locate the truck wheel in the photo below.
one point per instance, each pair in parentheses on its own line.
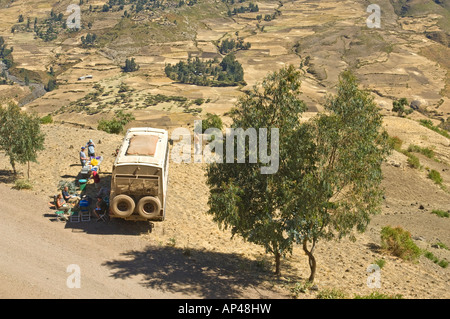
(149,207)
(122,205)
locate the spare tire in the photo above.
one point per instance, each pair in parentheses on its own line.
(122,205)
(149,207)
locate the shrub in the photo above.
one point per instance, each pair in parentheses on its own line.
(116,125)
(435,176)
(413,161)
(71,186)
(379,295)
(429,124)
(395,143)
(380,263)
(422,150)
(442,263)
(23,184)
(212,121)
(47,119)
(399,243)
(331,294)
(440,213)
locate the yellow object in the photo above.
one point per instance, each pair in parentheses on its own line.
(94,162)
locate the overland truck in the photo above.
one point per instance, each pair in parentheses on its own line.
(140,176)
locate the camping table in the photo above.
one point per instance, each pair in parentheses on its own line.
(89,168)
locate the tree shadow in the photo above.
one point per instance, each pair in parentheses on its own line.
(202,273)
(7,176)
(374,248)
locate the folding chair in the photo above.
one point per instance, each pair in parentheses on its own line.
(61,215)
(84,211)
(102,214)
(85,215)
(74,216)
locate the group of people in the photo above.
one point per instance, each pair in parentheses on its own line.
(91,152)
(65,201)
(90,146)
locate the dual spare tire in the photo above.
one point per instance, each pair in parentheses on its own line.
(124,206)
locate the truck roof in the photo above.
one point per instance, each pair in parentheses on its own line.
(143,146)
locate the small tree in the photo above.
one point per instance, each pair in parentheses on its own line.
(130,65)
(116,125)
(399,107)
(20,136)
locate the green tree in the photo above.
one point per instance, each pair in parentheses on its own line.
(341,190)
(328,181)
(130,65)
(20,136)
(399,107)
(243,199)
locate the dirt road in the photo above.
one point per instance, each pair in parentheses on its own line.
(36,250)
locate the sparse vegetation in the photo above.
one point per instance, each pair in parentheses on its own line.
(47,119)
(331,294)
(399,243)
(440,213)
(435,176)
(428,152)
(116,125)
(23,184)
(378,295)
(429,124)
(442,263)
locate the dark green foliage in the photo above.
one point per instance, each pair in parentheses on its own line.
(227,45)
(212,121)
(229,72)
(89,40)
(130,65)
(329,175)
(20,135)
(116,125)
(51,85)
(400,105)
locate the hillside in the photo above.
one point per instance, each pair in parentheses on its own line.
(45,65)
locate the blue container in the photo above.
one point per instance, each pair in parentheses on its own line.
(84,203)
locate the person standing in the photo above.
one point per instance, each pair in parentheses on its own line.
(91,148)
(83,157)
(96,179)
